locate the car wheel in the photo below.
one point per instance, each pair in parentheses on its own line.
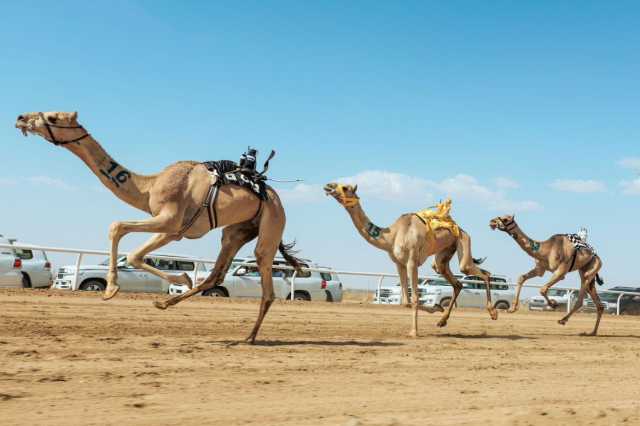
(445,302)
(300,295)
(26,281)
(502,305)
(92,285)
(216,292)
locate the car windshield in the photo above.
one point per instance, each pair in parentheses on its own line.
(557,292)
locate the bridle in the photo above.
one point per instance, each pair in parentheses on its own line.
(345,199)
(57,142)
(509,226)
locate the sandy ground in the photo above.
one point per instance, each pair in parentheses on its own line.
(73,359)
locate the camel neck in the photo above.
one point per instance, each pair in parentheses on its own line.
(130,187)
(532,247)
(375,235)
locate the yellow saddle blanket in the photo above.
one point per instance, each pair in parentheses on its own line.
(439,218)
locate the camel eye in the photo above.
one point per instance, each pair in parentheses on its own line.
(52,119)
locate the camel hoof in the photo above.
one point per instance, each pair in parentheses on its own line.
(494,314)
(110,292)
(512,310)
(438,308)
(562,322)
(553,304)
(441,323)
(250,340)
(592,334)
(161,305)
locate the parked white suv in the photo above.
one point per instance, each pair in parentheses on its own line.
(244,281)
(94,277)
(437,291)
(36,268)
(10,265)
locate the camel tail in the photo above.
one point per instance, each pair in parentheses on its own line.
(599,279)
(479,261)
(289,255)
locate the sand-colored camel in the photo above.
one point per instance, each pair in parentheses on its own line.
(174,199)
(409,243)
(559,256)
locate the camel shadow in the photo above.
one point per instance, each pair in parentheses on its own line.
(485,336)
(613,336)
(275,343)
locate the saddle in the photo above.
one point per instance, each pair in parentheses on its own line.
(579,243)
(228,172)
(439,218)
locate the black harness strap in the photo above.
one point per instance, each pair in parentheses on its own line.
(55,141)
(419,217)
(210,205)
(573,259)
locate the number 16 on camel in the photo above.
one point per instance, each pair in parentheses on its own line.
(187,199)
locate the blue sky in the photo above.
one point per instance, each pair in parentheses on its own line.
(505,106)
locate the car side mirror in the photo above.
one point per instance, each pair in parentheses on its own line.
(241,271)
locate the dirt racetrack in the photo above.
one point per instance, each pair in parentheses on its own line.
(72,359)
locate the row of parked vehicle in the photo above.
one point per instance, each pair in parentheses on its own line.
(242,279)
(437,291)
(32,269)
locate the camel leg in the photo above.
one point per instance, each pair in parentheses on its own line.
(441,265)
(558,275)
(270,235)
(233,238)
(167,223)
(136,259)
(577,305)
(404,284)
(469,268)
(412,268)
(600,309)
(538,271)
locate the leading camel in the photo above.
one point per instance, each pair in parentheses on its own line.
(409,243)
(560,255)
(174,198)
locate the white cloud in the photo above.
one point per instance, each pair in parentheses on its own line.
(631,187)
(49,181)
(632,163)
(467,187)
(389,186)
(506,183)
(578,185)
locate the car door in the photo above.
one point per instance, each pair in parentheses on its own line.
(469,296)
(246,282)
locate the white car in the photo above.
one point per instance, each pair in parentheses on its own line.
(94,277)
(437,291)
(244,281)
(10,266)
(561,296)
(36,268)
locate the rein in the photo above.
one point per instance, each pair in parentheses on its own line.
(57,142)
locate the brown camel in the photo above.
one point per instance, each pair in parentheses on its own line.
(175,199)
(559,255)
(409,243)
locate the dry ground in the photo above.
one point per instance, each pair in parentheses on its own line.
(73,359)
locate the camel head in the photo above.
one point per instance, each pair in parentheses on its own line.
(344,194)
(58,128)
(502,223)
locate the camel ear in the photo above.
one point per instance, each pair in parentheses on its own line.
(74,115)
(355,188)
